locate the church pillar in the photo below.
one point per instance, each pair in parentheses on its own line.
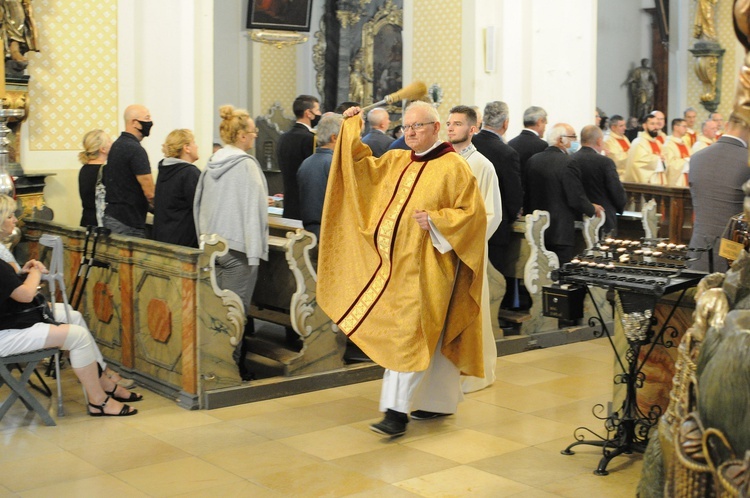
(544,54)
(165,62)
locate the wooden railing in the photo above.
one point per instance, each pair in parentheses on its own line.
(674,204)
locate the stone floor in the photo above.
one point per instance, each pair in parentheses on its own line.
(504,441)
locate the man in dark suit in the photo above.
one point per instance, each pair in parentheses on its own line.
(294,147)
(529,142)
(717,174)
(377,139)
(507,167)
(558,190)
(599,177)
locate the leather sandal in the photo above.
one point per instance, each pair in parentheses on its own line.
(131,399)
(125,412)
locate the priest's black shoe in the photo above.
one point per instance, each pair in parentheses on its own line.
(425,415)
(393,425)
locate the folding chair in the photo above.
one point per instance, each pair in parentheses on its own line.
(55,278)
(19,387)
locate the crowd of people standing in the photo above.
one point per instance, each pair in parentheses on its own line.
(334,188)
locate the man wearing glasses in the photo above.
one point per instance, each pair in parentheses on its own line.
(401,265)
(557,189)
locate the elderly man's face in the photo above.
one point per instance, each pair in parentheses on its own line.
(710,129)
(420,130)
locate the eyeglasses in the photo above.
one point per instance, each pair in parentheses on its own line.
(570,136)
(253,132)
(416,126)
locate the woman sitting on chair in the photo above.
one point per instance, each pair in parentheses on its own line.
(24,329)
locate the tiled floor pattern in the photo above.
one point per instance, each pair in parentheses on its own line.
(504,441)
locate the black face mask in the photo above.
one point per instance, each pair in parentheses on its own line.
(314,121)
(145,127)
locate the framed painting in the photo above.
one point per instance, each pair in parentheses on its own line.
(382,53)
(285,15)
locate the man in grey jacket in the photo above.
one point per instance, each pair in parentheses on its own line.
(717,174)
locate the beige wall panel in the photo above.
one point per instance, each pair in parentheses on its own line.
(436,54)
(278,77)
(73,85)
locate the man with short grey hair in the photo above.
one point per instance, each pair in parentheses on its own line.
(559,191)
(377,139)
(412,225)
(709,131)
(507,165)
(312,176)
(528,143)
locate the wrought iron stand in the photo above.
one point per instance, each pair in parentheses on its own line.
(627,428)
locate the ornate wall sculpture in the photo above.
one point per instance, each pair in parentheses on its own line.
(708,54)
(358,51)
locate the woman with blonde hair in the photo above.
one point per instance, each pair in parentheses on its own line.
(96,145)
(25,326)
(175,190)
(232,201)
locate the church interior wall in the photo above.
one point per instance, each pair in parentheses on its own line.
(437,50)
(619,50)
(233,58)
(563,61)
(73,88)
(278,77)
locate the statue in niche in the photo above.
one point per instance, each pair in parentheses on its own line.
(642,83)
(19,34)
(703,27)
(357,79)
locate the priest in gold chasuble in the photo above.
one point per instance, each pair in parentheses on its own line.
(401,262)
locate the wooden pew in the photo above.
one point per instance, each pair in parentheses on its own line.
(159,316)
(285,294)
(533,264)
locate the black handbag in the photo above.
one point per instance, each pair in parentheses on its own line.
(46,310)
(37,311)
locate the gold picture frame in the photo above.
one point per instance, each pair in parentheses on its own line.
(381,53)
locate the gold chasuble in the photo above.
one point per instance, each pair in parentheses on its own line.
(379,276)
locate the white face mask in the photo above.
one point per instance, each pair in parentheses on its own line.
(574,147)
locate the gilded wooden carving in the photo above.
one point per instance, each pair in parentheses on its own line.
(382,63)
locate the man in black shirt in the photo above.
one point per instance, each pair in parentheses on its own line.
(128,178)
